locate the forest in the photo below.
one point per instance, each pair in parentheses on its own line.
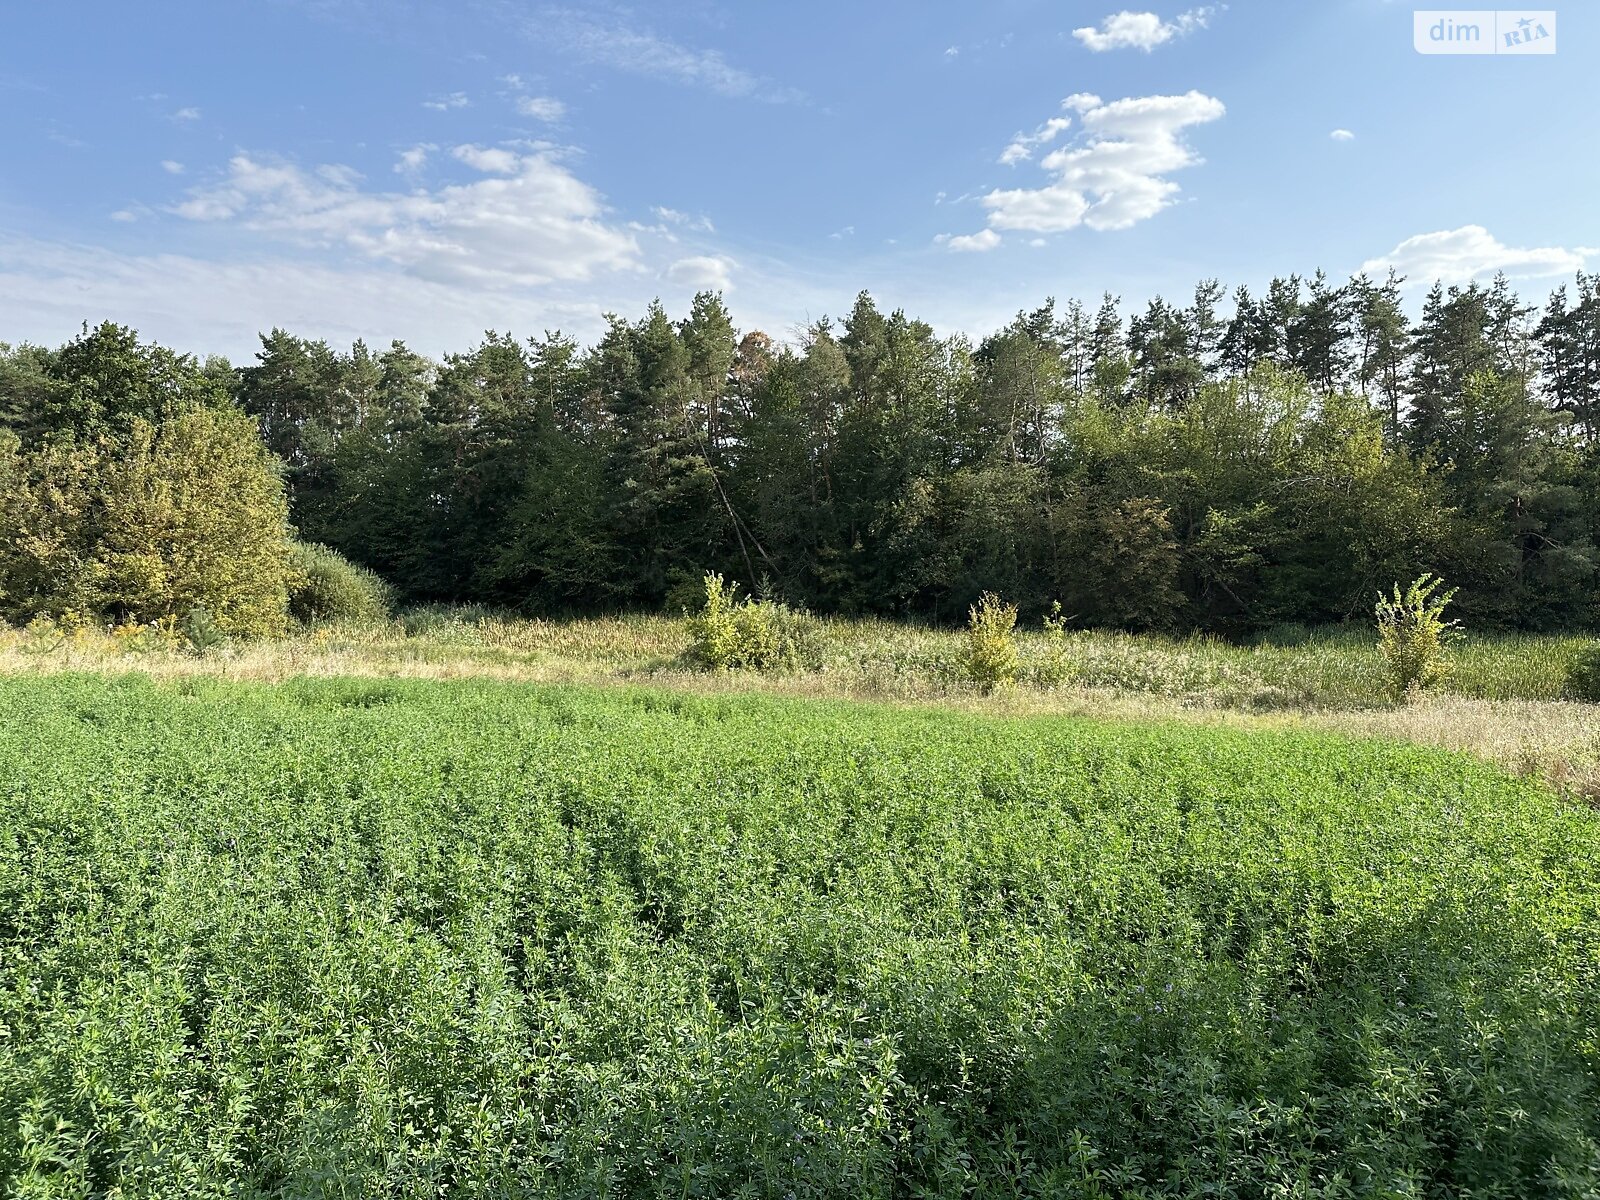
(1226,464)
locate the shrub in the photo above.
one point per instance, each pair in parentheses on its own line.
(329,587)
(1583,674)
(1412,634)
(991,660)
(200,631)
(762,635)
(153,636)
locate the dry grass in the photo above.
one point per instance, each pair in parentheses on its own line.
(1503,703)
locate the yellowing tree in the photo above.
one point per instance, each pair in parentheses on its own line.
(46,551)
(192,513)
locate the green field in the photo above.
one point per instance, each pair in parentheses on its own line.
(349,937)
(1511,699)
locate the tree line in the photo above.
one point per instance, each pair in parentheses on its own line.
(1228,463)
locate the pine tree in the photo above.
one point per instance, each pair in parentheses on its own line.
(1381,343)
(1319,335)
(667,517)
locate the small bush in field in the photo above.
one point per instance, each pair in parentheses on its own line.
(1059,665)
(200,631)
(326,586)
(1412,633)
(1583,675)
(731,632)
(992,660)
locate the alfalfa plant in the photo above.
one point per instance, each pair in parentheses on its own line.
(991,660)
(1413,634)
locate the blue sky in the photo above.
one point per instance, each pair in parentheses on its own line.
(351,168)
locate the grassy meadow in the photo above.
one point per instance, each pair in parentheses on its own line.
(388,937)
(1506,697)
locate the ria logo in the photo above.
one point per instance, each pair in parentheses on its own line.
(1483,31)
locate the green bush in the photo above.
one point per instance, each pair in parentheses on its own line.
(730,632)
(1412,633)
(327,586)
(1583,674)
(200,632)
(991,660)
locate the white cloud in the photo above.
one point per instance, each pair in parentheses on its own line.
(984,239)
(703,272)
(1458,255)
(186,114)
(490,160)
(171,167)
(124,215)
(1114,175)
(414,159)
(446,103)
(1021,147)
(699,224)
(838,235)
(1141,30)
(1342,135)
(531,222)
(541,108)
(638,51)
(952,52)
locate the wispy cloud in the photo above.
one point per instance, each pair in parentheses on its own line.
(47,289)
(612,42)
(447,102)
(541,108)
(1342,135)
(1141,30)
(984,239)
(1022,145)
(689,221)
(186,114)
